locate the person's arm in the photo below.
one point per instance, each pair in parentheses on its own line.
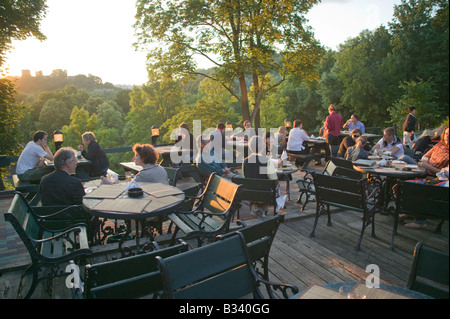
(394,150)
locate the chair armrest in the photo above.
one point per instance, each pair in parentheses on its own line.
(283,287)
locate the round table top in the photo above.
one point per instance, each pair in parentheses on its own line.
(396,171)
(163,206)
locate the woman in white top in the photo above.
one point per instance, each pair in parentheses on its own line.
(296,138)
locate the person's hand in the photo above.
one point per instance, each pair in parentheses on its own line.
(80,147)
(105,180)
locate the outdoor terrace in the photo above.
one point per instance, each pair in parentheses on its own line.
(295,258)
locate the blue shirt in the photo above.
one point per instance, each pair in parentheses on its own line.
(358,124)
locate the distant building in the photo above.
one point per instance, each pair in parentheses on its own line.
(26,74)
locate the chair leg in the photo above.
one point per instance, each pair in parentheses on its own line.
(438,227)
(34,267)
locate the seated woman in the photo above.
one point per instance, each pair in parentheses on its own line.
(271,147)
(358,150)
(257,165)
(280,137)
(94,153)
(350,141)
(435,161)
(146,156)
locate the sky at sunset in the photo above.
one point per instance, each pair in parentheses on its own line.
(96,36)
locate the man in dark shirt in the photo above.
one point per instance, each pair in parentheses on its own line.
(409,125)
(59,187)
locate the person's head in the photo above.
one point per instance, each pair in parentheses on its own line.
(269,139)
(361,141)
(185,126)
(247,124)
(202,141)
(389,135)
(356,133)
(256,144)
(331,108)
(354,118)
(412,110)
(145,154)
(298,123)
(444,136)
(66,159)
(88,138)
(221,126)
(282,130)
(40,137)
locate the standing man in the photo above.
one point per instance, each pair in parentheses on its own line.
(30,165)
(409,125)
(59,187)
(333,124)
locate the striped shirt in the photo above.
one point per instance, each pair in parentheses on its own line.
(438,155)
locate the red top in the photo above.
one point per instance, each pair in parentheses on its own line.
(438,155)
(333,124)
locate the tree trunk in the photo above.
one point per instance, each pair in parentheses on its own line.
(244,98)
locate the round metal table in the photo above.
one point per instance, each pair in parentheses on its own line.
(144,220)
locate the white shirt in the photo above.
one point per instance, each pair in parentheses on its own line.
(395,143)
(29,157)
(296,138)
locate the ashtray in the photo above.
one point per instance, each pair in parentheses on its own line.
(135,192)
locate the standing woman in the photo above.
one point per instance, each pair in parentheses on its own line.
(94,153)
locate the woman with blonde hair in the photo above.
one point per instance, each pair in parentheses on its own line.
(357,151)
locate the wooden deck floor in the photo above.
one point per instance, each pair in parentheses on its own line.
(295,257)
(303,261)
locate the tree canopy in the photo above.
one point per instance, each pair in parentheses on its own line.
(238,37)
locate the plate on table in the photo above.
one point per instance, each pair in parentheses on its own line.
(398,162)
(411,166)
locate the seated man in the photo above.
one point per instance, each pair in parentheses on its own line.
(59,187)
(30,166)
(354,123)
(208,162)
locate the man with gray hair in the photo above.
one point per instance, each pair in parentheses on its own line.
(60,187)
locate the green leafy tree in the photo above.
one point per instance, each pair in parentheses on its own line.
(420,42)
(152,104)
(361,70)
(213,106)
(54,116)
(421,95)
(18,21)
(240,38)
(110,115)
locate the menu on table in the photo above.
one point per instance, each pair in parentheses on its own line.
(106,191)
(124,205)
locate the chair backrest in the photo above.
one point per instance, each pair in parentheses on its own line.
(259,237)
(429,272)
(173,175)
(257,190)
(342,162)
(340,191)
(190,171)
(221,270)
(424,200)
(130,277)
(220,195)
(349,173)
(20,215)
